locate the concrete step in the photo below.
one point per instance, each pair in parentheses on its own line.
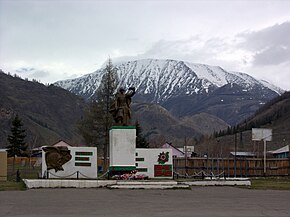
(148,186)
(146,182)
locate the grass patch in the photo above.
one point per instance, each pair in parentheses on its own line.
(12,186)
(271,183)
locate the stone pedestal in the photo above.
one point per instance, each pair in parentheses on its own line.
(122,149)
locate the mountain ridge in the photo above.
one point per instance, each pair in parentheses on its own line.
(162,72)
(180,86)
(163,76)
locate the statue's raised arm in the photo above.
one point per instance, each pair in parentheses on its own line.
(131,92)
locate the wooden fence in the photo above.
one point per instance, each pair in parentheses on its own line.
(229,167)
(193,167)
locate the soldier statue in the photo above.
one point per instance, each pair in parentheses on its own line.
(120,109)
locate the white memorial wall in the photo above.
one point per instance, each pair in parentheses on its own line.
(154,163)
(83,164)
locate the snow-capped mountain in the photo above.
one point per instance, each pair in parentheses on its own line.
(163,79)
(181,87)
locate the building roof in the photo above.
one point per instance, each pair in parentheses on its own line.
(166,145)
(281,150)
(243,154)
(61,143)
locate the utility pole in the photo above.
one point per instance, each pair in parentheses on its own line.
(108,84)
(235,161)
(265,155)
(289,160)
(185,152)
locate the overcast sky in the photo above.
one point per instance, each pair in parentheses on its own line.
(51,40)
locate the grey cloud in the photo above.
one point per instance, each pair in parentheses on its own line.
(33,72)
(193,49)
(270,45)
(25,70)
(40,74)
(272,56)
(216,43)
(271,36)
(267,47)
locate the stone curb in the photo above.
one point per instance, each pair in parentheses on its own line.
(219,183)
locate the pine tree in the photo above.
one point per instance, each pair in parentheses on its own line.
(17,145)
(97,119)
(105,98)
(88,126)
(141,142)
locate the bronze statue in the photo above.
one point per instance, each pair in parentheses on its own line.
(120,109)
(55,157)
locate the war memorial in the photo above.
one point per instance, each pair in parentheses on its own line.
(129,167)
(77,166)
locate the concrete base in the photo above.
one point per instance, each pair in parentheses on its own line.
(131,184)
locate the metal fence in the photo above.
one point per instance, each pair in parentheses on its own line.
(24,167)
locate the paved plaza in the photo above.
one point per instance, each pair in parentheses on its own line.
(199,201)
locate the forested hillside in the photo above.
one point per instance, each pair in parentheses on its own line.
(49,113)
(273,115)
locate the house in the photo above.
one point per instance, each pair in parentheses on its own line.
(37,152)
(175,151)
(61,143)
(281,152)
(180,152)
